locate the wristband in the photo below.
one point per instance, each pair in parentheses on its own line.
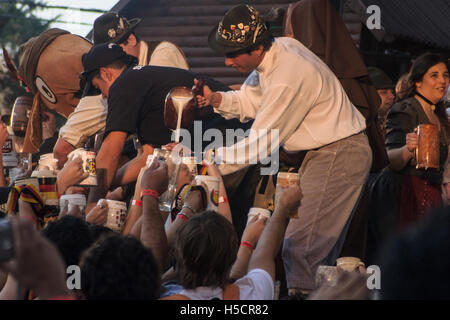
(223,200)
(182,216)
(248,245)
(150,192)
(136,203)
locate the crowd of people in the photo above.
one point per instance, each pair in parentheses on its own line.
(347,130)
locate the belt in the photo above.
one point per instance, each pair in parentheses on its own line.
(296,157)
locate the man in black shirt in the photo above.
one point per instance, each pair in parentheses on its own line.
(136,97)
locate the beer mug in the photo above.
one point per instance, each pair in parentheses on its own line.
(89,165)
(47,162)
(210,186)
(8,151)
(284,180)
(261,213)
(47,189)
(75,199)
(427,151)
(326,275)
(117,214)
(173,162)
(349,263)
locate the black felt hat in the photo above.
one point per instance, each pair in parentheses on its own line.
(380,79)
(241,28)
(110,27)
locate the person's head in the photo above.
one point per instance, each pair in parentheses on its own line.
(205,250)
(415,264)
(99,231)
(429,76)
(243,37)
(385,88)
(103,64)
(119,268)
(71,235)
(111,28)
(401,87)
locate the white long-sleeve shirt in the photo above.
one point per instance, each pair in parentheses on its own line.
(89,117)
(166,54)
(292,91)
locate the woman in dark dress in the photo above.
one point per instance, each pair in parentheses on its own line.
(402,195)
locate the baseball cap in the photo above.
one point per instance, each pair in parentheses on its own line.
(102,55)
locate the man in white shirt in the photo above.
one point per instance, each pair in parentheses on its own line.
(111,28)
(293,94)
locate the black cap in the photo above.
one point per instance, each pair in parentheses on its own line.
(102,55)
(241,28)
(109,27)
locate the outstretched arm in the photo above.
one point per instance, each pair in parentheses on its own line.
(272,237)
(61,150)
(249,240)
(107,162)
(224,206)
(154,182)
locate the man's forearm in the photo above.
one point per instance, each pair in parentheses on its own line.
(61,150)
(153,235)
(134,213)
(106,162)
(109,154)
(129,171)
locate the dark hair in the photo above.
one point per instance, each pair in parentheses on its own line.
(119,268)
(121,63)
(98,231)
(423,63)
(205,250)
(419,68)
(71,236)
(415,264)
(125,41)
(266,43)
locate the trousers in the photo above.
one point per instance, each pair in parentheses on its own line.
(331,179)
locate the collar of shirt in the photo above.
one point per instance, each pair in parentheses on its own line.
(143,53)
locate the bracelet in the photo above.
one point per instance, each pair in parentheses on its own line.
(136,203)
(248,245)
(189,207)
(182,216)
(150,192)
(223,199)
